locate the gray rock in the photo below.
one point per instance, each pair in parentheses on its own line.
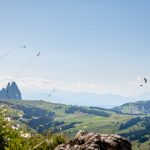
(95,141)
(10,92)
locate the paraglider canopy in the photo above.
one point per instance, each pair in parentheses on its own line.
(145,80)
(24,46)
(142,81)
(38,54)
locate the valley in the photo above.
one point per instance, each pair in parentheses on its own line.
(41,116)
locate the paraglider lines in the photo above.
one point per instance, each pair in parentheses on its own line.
(27,64)
(11,51)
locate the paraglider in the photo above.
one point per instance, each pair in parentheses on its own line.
(142,81)
(52,92)
(38,54)
(145,80)
(24,46)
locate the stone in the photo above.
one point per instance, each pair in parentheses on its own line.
(10,92)
(96,141)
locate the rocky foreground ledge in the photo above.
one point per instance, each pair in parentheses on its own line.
(94,141)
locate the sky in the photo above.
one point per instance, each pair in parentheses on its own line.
(86,46)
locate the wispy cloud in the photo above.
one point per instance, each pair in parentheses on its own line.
(29,83)
(41,85)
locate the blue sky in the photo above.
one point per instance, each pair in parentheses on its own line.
(105,43)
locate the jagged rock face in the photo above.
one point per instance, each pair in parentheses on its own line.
(10,92)
(94,141)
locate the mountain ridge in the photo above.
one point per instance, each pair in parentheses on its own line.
(10,92)
(138,107)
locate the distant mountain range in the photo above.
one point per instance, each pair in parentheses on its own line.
(89,99)
(10,92)
(80,98)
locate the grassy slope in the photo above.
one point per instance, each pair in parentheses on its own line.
(91,123)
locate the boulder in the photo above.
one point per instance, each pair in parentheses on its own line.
(95,141)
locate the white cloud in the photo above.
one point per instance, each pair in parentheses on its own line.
(41,85)
(28,83)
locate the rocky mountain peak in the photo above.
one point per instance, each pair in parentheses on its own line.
(8,86)
(10,92)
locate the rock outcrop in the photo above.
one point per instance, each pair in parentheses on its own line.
(94,141)
(10,92)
